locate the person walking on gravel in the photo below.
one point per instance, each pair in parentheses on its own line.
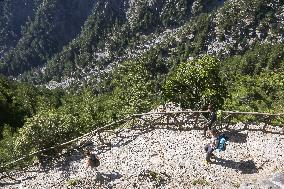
(211,120)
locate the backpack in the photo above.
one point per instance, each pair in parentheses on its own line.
(222,142)
(95,160)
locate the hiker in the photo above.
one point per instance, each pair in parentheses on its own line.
(210,147)
(91,159)
(212,119)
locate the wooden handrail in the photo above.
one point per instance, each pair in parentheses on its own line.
(128,118)
(65,143)
(227,112)
(252,113)
(169,112)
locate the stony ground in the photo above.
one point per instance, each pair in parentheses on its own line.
(165,158)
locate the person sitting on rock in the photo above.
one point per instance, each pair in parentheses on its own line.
(210,147)
(91,159)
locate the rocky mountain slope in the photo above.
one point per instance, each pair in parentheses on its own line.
(147,157)
(230,28)
(116,31)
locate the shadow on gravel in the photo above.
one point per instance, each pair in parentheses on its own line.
(265,131)
(236,137)
(124,140)
(245,167)
(107,177)
(174,127)
(3,184)
(14,181)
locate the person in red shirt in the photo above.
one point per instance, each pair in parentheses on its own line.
(91,159)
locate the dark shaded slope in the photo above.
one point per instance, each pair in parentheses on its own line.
(13,15)
(55,23)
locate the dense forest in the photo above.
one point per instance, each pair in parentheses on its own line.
(70,66)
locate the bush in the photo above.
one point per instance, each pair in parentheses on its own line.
(7,146)
(199,181)
(195,84)
(46,129)
(73,182)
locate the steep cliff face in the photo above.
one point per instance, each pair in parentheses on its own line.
(119,30)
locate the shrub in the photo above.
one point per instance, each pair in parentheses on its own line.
(199,181)
(195,84)
(73,182)
(46,129)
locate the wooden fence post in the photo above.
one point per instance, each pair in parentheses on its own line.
(168,121)
(196,120)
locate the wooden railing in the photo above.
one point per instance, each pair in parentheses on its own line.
(266,118)
(193,119)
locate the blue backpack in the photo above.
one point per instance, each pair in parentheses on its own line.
(222,142)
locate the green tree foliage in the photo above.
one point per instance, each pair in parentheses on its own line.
(201,29)
(262,93)
(5,34)
(255,80)
(195,84)
(147,19)
(175,12)
(11,110)
(77,115)
(19,101)
(134,90)
(46,129)
(7,152)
